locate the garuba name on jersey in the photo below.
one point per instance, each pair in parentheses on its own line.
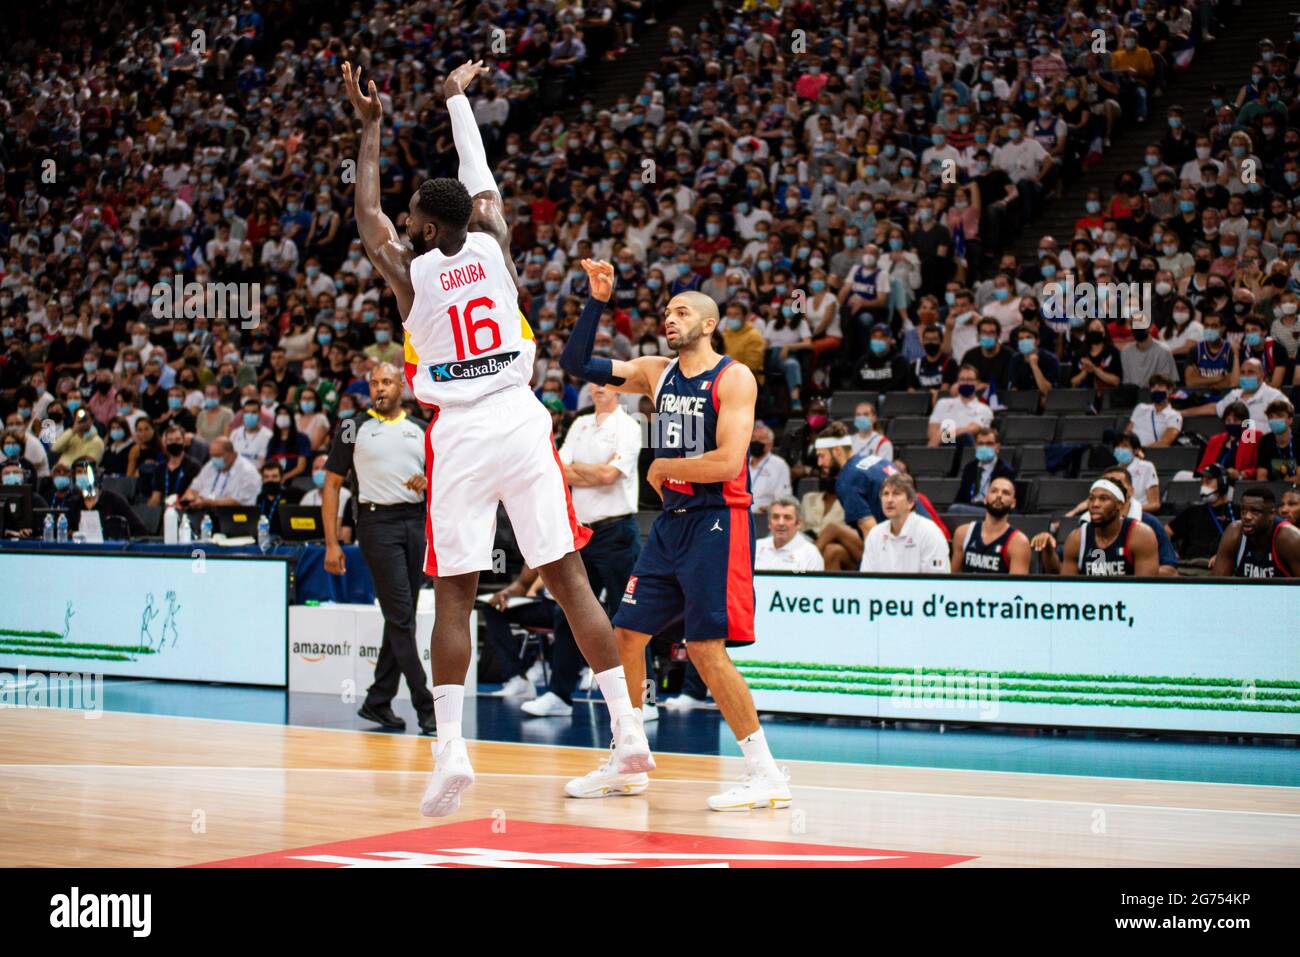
(466,337)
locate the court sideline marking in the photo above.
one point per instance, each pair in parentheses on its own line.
(601,749)
(711,783)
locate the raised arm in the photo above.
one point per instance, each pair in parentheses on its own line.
(637,376)
(389,254)
(487,214)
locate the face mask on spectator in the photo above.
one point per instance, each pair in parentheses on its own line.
(250,420)
(1123,456)
(62,482)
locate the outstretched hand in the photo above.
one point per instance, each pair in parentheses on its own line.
(600,277)
(459,79)
(368,108)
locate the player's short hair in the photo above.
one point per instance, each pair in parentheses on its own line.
(901,482)
(1261,492)
(1279,407)
(446,201)
(1009,480)
(701,303)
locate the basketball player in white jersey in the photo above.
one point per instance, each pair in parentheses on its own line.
(489,440)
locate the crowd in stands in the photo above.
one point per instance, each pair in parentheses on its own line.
(845,179)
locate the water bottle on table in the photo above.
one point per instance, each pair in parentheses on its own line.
(205,528)
(47,533)
(263,533)
(63,528)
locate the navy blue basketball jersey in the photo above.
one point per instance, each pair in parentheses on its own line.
(686,426)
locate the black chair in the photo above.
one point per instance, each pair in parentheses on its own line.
(760,525)
(1021,429)
(123,485)
(905,403)
(1123,398)
(842,404)
(150,517)
(1021,401)
(922,460)
(809,483)
(1175,458)
(1202,425)
(1032,525)
(1176,495)
(1084,428)
(908,430)
(1032,460)
(302,484)
(1068,401)
(1058,495)
(940,491)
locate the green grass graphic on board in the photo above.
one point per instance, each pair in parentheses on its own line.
(47,643)
(1030,687)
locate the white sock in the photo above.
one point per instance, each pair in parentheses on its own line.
(448,702)
(613,685)
(757,754)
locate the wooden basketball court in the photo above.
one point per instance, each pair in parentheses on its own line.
(143,790)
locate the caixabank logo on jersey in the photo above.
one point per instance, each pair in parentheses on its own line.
(472,368)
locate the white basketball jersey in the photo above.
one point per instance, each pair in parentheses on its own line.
(466,331)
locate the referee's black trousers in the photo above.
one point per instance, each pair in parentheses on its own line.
(392,541)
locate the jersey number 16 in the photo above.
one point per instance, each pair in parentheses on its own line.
(473,327)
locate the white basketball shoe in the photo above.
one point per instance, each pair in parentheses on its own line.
(605,781)
(452,774)
(631,749)
(760,788)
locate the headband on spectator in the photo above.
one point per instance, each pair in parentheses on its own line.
(1109,487)
(832,442)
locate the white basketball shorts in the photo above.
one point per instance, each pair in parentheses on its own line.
(496,449)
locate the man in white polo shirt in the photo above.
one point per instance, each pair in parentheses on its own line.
(769,475)
(251,438)
(907,542)
(599,456)
(961,415)
(1253,391)
(1156,423)
(227,478)
(787,549)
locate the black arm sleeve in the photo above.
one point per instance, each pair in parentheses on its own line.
(576,358)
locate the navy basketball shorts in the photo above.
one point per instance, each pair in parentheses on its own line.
(697,568)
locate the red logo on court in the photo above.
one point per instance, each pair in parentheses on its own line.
(531,844)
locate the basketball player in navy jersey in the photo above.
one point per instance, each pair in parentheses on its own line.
(991,546)
(697,566)
(1260,544)
(1110,545)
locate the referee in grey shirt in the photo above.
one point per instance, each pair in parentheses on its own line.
(386,450)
